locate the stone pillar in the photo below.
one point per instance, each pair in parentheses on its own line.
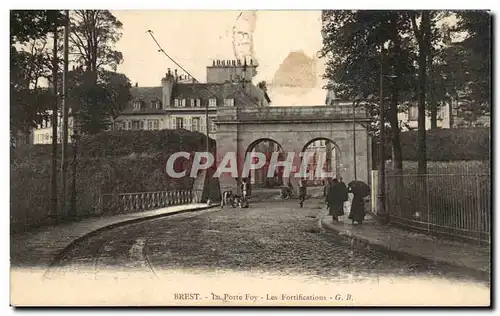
(227,144)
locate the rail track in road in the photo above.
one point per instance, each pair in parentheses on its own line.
(275,237)
(115,248)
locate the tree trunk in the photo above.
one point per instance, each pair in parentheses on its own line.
(422,65)
(432,87)
(397,154)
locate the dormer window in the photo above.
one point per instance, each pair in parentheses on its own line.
(228,102)
(137,105)
(156,104)
(195,103)
(180,103)
(212,103)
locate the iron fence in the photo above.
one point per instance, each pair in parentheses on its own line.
(450,204)
(143,201)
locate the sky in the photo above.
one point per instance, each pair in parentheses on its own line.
(195,38)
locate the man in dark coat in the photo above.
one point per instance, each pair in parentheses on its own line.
(344,192)
(335,200)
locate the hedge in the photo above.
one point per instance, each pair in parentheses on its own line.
(111,162)
(448,144)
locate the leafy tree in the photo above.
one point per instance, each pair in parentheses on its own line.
(477,44)
(28,64)
(97,105)
(99,92)
(352,41)
(27,25)
(93,35)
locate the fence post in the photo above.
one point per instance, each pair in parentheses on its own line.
(99,202)
(428,202)
(479,210)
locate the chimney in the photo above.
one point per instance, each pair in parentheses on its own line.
(136,84)
(239,62)
(218,62)
(213,63)
(234,62)
(175,73)
(169,72)
(251,61)
(223,62)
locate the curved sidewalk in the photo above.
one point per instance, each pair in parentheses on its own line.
(39,248)
(467,258)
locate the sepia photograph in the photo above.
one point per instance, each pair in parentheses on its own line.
(271,158)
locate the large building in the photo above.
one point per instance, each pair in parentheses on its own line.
(42,134)
(447,116)
(180,102)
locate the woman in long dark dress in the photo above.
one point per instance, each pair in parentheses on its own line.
(359,190)
(335,201)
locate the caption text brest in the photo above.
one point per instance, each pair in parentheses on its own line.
(225,297)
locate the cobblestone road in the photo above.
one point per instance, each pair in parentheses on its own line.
(276,237)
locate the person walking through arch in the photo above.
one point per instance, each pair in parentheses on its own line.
(302,191)
(244,193)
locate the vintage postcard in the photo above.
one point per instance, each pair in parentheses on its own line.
(250,158)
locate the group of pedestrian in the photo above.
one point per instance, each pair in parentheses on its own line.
(336,193)
(235,199)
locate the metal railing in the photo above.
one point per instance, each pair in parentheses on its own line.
(144,201)
(447,204)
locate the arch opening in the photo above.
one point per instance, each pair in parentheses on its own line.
(321,149)
(258,178)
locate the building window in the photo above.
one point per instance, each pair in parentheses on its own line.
(213,127)
(153,125)
(196,124)
(176,103)
(183,103)
(118,125)
(137,105)
(195,103)
(156,104)
(136,125)
(212,103)
(228,102)
(179,122)
(441,112)
(413,113)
